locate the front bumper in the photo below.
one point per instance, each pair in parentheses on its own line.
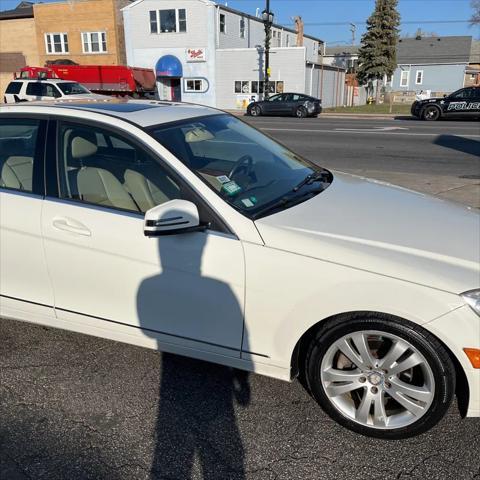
(460,329)
(415,110)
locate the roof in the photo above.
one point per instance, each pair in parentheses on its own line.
(143,113)
(342,51)
(274,25)
(434,50)
(22,10)
(475,52)
(237,12)
(37,80)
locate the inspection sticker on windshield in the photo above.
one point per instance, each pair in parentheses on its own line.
(223,179)
(248,203)
(231,188)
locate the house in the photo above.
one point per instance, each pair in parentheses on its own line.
(345,56)
(88,32)
(84,31)
(436,64)
(18,44)
(472,73)
(207,53)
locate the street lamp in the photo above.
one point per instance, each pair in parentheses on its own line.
(267,17)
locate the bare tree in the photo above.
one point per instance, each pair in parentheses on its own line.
(475,20)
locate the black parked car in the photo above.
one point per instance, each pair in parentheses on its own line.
(462,103)
(296,104)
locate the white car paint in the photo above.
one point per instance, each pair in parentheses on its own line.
(359,246)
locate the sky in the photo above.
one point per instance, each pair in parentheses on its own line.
(319,15)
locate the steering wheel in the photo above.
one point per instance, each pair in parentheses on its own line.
(243,166)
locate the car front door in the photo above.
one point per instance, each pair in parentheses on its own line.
(464,102)
(25,287)
(276,104)
(185,291)
(41,91)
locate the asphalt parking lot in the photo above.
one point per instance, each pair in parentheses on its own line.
(78,407)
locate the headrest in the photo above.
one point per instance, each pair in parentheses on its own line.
(82,147)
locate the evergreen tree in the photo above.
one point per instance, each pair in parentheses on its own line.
(378,52)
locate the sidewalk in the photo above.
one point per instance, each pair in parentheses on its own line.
(351,116)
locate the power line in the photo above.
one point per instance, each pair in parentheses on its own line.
(407,22)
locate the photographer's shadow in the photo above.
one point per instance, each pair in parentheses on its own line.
(196,426)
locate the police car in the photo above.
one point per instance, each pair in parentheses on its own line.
(462,103)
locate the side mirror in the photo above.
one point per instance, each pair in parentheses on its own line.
(172,218)
(445,95)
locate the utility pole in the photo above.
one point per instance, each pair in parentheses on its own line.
(267,17)
(353,29)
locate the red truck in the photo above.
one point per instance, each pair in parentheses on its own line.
(105,79)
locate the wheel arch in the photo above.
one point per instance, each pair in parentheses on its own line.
(434,105)
(462,389)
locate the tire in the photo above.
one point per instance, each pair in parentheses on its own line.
(301,112)
(431,113)
(255,111)
(356,401)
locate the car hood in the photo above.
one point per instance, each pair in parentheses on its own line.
(381,228)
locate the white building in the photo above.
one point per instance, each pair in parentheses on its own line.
(207,53)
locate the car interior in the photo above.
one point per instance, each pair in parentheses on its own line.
(102,169)
(17,150)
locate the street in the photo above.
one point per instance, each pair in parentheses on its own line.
(78,407)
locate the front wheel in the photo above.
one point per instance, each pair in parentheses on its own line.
(255,111)
(381,377)
(431,114)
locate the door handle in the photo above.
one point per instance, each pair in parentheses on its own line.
(72,226)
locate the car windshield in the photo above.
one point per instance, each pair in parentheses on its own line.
(249,170)
(72,88)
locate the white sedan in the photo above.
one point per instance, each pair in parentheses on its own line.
(180,228)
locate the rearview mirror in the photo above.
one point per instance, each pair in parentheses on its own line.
(172,218)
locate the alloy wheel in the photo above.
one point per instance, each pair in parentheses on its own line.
(377,379)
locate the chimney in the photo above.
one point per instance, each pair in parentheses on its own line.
(299,30)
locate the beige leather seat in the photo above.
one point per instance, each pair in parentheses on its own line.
(146,194)
(96,185)
(17,172)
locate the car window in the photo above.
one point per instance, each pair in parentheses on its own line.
(277,98)
(14,88)
(18,140)
(100,167)
(72,88)
(469,93)
(41,89)
(244,167)
(458,94)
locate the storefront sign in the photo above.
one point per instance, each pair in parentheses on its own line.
(196,54)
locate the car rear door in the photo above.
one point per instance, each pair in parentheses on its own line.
(25,287)
(180,291)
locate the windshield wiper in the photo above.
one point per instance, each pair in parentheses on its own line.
(309,179)
(287,201)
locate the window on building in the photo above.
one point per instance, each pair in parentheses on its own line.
(404,78)
(194,85)
(287,42)
(168,21)
(242,27)
(222,23)
(153,21)
(56,43)
(419,77)
(242,86)
(94,42)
